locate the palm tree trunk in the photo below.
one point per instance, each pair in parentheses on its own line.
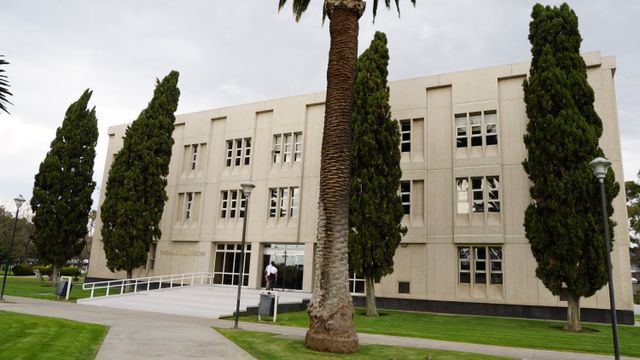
(371,297)
(331,327)
(573,314)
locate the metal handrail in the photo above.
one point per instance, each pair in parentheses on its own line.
(187,279)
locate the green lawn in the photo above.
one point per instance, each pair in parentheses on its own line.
(271,346)
(536,334)
(42,289)
(31,337)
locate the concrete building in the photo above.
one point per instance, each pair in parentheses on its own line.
(463,188)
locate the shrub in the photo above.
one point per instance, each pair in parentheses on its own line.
(70,271)
(22,270)
(44,270)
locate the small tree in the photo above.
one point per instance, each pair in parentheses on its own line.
(375,209)
(564,222)
(135,194)
(4,88)
(63,186)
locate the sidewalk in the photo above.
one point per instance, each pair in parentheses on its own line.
(146,335)
(139,334)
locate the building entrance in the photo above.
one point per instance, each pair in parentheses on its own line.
(289,259)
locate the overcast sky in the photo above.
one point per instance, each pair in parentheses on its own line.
(234,52)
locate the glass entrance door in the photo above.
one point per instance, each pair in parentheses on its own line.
(289,259)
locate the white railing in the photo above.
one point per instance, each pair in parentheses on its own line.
(147,283)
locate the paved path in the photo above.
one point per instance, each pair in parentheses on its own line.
(146,335)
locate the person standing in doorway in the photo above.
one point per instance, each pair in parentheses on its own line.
(271,273)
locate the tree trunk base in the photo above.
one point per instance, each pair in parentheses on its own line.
(331,341)
(573,315)
(334,333)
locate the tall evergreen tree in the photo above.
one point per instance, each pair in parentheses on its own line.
(63,186)
(135,193)
(564,223)
(331,326)
(4,88)
(632,189)
(375,209)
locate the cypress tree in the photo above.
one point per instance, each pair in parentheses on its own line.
(375,209)
(63,186)
(135,193)
(563,223)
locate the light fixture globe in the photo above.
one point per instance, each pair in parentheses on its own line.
(247,187)
(600,166)
(19,201)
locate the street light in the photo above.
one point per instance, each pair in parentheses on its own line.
(247,187)
(600,166)
(19,201)
(284,271)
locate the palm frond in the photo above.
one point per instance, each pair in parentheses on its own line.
(299,7)
(387,3)
(4,88)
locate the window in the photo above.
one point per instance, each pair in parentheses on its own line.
(284,202)
(404,287)
(482,264)
(287,147)
(297,155)
(356,283)
(194,156)
(188,206)
(238,152)
(405,195)
(476,129)
(405,135)
(485,194)
(232,204)
(227,265)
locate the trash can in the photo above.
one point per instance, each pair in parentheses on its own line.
(61,290)
(267,304)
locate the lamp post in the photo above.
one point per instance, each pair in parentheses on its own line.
(600,167)
(247,187)
(19,201)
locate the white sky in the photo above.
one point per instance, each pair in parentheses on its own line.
(233,52)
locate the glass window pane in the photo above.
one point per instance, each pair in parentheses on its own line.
(465,278)
(496,278)
(496,253)
(481,278)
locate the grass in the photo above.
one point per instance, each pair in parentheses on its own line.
(27,337)
(272,346)
(42,289)
(535,334)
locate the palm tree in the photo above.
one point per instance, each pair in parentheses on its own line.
(4,88)
(331,327)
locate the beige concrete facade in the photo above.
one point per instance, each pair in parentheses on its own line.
(464,185)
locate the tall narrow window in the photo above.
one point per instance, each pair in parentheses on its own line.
(461,130)
(234,203)
(481,265)
(238,157)
(405,195)
(287,147)
(475,120)
(229,152)
(284,201)
(462,185)
(243,204)
(188,205)
(194,156)
(152,255)
(295,194)
(490,120)
(405,135)
(224,204)
(477,194)
(493,192)
(273,202)
(247,151)
(297,156)
(464,261)
(496,265)
(277,148)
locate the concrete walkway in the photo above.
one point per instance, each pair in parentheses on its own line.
(146,335)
